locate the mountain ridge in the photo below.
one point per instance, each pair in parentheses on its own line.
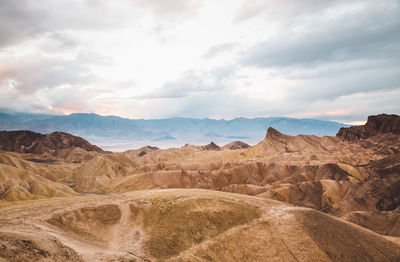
(207,203)
(166,132)
(24,141)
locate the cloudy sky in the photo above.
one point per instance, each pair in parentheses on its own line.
(336,60)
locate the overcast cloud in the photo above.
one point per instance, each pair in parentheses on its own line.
(337,60)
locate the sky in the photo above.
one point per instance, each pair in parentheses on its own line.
(331,60)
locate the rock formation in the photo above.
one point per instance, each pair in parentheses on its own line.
(379,124)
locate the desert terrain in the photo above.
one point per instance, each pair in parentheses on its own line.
(287,198)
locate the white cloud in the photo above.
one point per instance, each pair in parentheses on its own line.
(220,59)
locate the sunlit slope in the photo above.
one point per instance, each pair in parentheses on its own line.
(183,225)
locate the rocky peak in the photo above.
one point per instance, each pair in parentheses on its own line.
(384,123)
(377,124)
(211,146)
(275,135)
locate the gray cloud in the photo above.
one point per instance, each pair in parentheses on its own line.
(283,10)
(355,51)
(371,33)
(23,19)
(340,79)
(17,21)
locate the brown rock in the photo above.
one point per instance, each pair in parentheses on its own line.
(379,124)
(31,142)
(211,146)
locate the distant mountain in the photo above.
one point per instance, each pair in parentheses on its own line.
(164,132)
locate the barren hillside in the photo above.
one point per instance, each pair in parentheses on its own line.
(182,225)
(351,177)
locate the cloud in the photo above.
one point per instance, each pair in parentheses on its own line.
(17,21)
(63,99)
(68,98)
(192,83)
(340,50)
(217,104)
(371,32)
(218,49)
(140,58)
(56,42)
(171,9)
(280,10)
(33,72)
(349,108)
(23,20)
(225,104)
(330,85)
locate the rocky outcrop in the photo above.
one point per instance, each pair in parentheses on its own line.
(211,146)
(31,142)
(378,124)
(18,141)
(273,134)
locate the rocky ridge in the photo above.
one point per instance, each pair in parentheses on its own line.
(35,143)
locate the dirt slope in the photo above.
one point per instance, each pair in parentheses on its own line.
(182,225)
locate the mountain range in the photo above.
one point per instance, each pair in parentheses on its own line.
(287,198)
(116,133)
